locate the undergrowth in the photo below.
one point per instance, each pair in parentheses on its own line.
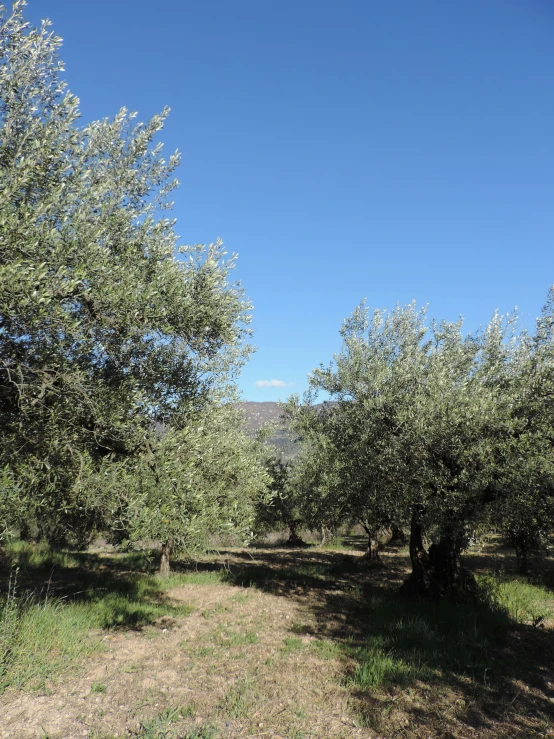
(50,627)
(409,641)
(47,630)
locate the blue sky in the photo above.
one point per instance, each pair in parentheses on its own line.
(358,149)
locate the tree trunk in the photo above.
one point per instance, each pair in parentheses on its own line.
(4,559)
(522,559)
(418,555)
(294,539)
(164,561)
(438,573)
(371,553)
(397,536)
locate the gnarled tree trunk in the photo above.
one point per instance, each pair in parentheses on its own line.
(294,539)
(397,535)
(437,573)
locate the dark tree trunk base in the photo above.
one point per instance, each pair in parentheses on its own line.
(438,574)
(371,556)
(5,562)
(397,536)
(296,541)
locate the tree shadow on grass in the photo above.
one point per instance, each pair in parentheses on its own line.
(442,669)
(115,591)
(356,543)
(413,669)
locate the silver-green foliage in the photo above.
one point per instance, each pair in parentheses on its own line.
(107,324)
(191,483)
(429,424)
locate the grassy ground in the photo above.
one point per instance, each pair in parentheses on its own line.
(269,642)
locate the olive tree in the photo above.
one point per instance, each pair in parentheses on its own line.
(107,324)
(364,471)
(188,485)
(423,419)
(524,508)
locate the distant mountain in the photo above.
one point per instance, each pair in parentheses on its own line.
(260,414)
(257,414)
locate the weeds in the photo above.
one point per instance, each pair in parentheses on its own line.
(9,621)
(525,602)
(160,726)
(292,644)
(215,577)
(325,649)
(230,638)
(44,635)
(236,698)
(377,668)
(406,641)
(377,640)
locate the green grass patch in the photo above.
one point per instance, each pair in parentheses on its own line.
(228,638)
(525,602)
(325,649)
(41,557)
(410,640)
(292,644)
(236,699)
(47,638)
(377,667)
(49,630)
(339,543)
(208,577)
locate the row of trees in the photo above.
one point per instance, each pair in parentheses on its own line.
(119,348)
(119,351)
(431,430)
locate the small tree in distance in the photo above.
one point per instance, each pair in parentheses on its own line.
(286,506)
(206,479)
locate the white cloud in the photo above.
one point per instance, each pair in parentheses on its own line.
(272,383)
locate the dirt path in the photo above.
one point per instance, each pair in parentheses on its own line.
(243,660)
(265,656)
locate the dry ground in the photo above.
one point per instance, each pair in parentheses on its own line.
(268,655)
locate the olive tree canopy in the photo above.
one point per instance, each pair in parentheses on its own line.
(107,325)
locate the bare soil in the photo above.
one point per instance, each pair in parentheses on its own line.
(248,661)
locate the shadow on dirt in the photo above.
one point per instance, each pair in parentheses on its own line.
(120,590)
(435,666)
(413,669)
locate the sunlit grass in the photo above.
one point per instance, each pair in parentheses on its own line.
(525,602)
(44,633)
(215,577)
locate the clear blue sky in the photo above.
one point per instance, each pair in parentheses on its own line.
(362,148)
